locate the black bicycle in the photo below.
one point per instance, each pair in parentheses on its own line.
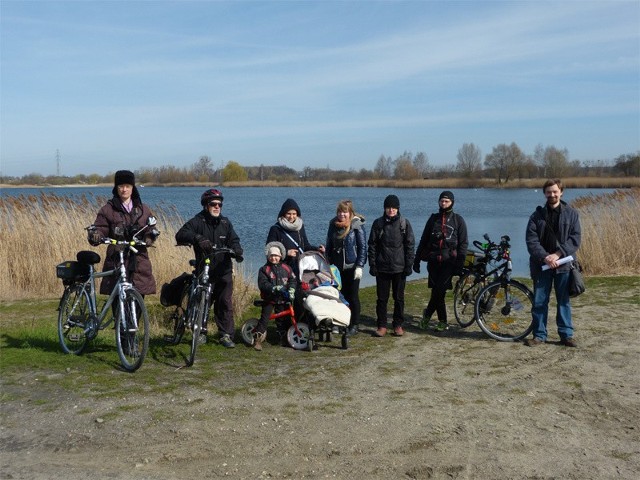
(78,319)
(192,311)
(475,275)
(503,306)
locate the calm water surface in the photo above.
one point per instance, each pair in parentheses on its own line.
(253,210)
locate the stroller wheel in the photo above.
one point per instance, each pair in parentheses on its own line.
(299,341)
(345,341)
(248,331)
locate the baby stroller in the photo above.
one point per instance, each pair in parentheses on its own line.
(327,311)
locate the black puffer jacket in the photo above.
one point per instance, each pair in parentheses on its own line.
(391,245)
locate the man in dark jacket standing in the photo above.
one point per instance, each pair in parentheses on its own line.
(553,232)
(391,253)
(207,231)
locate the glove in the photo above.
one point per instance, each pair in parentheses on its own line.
(277,289)
(292,294)
(407,271)
(357,274)
(95,238)
(372,271)
(205,244)
(238,256)
(416,267)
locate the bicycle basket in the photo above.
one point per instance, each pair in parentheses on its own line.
(71,271)
(473,258)
(171,292)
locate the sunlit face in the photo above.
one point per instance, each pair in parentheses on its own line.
(214,207)
(274,258)
(390,212)
(124,192)
(445,203)
(553,195)
(343,216)
(291,216)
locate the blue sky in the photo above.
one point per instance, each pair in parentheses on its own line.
(141,84)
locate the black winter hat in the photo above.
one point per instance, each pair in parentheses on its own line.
(391,202)
(289,204)
(124,177)
(446,194)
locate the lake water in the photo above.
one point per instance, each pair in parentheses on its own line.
(253,210)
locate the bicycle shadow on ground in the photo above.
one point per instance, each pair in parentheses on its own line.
(94,352)
(28,342)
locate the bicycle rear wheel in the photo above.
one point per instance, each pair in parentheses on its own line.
(132,331)
(179,318)
(197,315)
(464,298)
(73,319)
(503,310)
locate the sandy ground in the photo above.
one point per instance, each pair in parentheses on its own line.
(454,405)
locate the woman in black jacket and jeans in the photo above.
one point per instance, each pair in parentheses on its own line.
(443,246)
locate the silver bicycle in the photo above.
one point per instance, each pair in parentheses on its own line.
(79,319)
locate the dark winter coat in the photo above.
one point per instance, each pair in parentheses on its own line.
(220,232)
(444,240)
(348,252)
(391,245)
(271,275)
(113,221)
(568,237)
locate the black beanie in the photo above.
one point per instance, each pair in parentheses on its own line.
(449,195)
(289,204)
(391,202)
(446,194)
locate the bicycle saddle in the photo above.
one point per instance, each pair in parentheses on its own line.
(88,257)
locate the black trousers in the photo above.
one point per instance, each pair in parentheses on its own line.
(439,281)
(396,282)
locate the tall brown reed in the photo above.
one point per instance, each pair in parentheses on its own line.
(38,232)
(610,232)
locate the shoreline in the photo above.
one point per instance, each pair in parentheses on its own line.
(570,182)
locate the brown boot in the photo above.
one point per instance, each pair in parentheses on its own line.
(260,337)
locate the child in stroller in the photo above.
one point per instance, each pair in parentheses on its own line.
(327,310)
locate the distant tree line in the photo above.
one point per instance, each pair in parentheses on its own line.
(505,163)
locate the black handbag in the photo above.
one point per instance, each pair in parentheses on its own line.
(576,282)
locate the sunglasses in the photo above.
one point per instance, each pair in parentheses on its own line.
(215,204)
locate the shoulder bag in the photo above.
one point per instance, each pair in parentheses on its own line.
(576,282)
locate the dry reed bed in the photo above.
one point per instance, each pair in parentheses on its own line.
(38,232)
(610,232)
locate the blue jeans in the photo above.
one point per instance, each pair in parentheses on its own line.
(541,295)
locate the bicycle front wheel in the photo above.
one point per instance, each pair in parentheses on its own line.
(132,331)
(464,298)
(73,319)
(198,314)
(503,310)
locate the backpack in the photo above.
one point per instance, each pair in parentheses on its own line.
(171,293)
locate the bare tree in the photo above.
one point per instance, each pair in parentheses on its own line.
(203,169)
(421,164)
(555,162)
(469,160)
(505,161)
(383,167)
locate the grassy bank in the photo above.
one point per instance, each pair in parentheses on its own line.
(28,340)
